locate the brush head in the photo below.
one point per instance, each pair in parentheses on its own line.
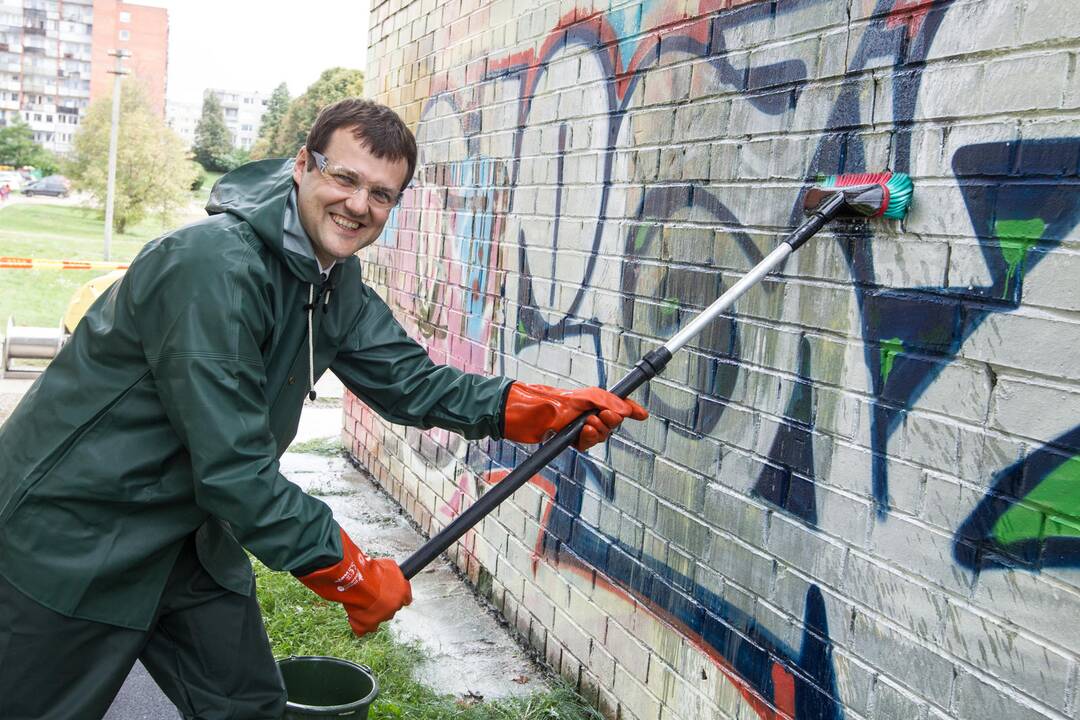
(885,194)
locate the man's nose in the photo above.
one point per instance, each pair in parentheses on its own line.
(357,203)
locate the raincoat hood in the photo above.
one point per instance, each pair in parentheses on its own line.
(259,194)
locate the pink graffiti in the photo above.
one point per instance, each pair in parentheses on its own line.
(910,14)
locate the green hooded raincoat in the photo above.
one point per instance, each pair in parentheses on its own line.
(165,413)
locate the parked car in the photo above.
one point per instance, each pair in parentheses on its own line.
(55,185)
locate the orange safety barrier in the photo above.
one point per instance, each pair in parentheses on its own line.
(17,263)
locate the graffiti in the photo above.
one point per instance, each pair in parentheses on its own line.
(1019,208)
(1030,517)
(790,484)
(603,275)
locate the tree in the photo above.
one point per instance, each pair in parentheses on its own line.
(333,85)
(153,172)
(18,149)
(276,107)
(212,141)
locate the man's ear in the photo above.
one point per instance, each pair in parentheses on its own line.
(300,165)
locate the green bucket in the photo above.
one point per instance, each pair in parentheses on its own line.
(327,687)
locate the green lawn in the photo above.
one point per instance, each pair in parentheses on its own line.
(300,623)
(58,232)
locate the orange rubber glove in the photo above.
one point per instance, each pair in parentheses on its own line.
(535,411)
(371,590)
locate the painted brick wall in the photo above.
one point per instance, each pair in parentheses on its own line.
(859,495)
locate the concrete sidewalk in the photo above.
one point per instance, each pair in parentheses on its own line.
(468,652)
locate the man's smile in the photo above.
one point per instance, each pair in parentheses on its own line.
(343,222)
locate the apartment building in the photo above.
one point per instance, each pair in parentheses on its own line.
(54,60)
(45,66)
(243,114)
(144,32)
(182,117)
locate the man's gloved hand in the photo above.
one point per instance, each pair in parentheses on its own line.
(371,590)
(534,411)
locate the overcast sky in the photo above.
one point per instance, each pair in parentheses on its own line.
(253,45)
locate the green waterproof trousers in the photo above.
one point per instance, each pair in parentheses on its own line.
(206,648)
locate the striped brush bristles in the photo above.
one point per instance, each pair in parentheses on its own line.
(897,187)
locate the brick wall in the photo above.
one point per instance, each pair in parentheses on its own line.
(858,495)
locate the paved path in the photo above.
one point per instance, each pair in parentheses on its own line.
(468,652)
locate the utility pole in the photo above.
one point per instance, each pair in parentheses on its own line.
(114,132)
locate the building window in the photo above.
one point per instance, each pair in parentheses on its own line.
(125,34)
(125,17)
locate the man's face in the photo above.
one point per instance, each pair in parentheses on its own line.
(338,221)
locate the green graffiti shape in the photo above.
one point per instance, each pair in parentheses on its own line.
(1015,238)
(640,238)
(889,350)
(1052,509)
(669,308)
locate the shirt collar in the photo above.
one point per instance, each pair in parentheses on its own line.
(296,238)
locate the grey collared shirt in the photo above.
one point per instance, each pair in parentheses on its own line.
(297,240)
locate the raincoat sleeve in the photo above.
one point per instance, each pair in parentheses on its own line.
(395,377)
(202,321)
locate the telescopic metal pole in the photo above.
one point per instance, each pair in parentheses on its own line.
(114,134)
(646,369)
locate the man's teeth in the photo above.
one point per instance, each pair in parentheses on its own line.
(342,222)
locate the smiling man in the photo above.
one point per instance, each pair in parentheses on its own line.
(145,459)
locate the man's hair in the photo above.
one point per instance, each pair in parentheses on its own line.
(376,126)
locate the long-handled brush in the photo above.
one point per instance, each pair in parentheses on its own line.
(865,195)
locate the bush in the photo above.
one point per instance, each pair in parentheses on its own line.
(234,159)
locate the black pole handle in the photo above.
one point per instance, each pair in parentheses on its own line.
(646,369)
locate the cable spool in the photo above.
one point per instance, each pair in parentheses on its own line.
(29,343)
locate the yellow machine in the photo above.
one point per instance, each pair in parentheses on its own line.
(85,296)
(40,344)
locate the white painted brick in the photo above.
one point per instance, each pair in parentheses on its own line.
(1007,655)
(1030,602)
(854,680)
(901,261)
(1033,342)
(1052,283)
(920,550)
(892,701)
(1034,410)
(908,661)
(1008,86)
(628,652)
(960,390)
(1046,21)
(799,545)
(913,605)
(983,454)
(634,697)
(951,84)
(739,563)
(571,636)
(977,699)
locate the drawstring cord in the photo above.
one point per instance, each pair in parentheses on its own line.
(310,308)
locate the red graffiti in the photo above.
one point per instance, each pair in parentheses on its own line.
(909,13)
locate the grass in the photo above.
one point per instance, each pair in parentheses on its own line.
(329,447)
(300,623)
(58,232)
